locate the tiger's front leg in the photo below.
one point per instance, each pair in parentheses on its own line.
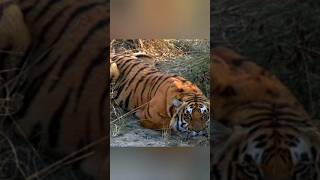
(153,116)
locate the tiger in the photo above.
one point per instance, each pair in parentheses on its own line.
(160,101)
(260,131)
(52,55)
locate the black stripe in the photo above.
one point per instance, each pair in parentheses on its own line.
(159,84)
(256,106)
(73,17)
(72,57)
(265,126)
(118,59)
(136,87)
(129,68)
(121,84)
(261,137)
(126,101)
(55,121)
(267,154)
(301,122)
(145,86)
(45,9)
(32,87)
(257,116)
(29,67)
(48,26)
(124,63)
(259,121)
(134,77)
(260,145)
(120,88)
(125,82)
(148,112)
(88,73)
(156,79)
(30,7)
(177,125)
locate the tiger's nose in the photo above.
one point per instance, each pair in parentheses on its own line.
(198,126)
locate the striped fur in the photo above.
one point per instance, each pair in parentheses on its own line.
(261,131)
(63,43)
(161,101)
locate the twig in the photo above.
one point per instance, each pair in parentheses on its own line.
(309,50)
(14,153)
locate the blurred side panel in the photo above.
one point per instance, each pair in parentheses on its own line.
(159,163)
(177,19)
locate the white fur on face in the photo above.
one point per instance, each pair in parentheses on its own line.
(302,148)
(189,109)
(203,109)
(298,152)
(255,153)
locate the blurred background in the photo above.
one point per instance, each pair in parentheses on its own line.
(160,19)
(159,163)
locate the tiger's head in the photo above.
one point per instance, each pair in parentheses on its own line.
(190,118)
(267,154)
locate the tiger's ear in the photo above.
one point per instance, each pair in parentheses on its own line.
(219,132)
(176,103)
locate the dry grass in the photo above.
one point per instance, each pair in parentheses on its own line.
(159,49)
(20,160)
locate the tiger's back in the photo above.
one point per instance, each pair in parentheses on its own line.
(260,131)
(58,75)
